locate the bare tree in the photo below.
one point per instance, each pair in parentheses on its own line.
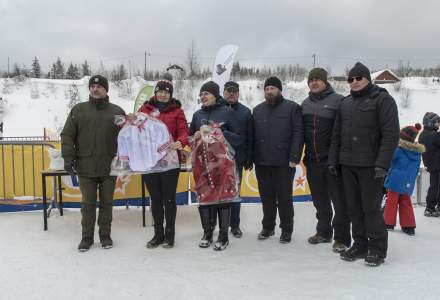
(192,60)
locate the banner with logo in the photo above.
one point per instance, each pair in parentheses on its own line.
(221,71)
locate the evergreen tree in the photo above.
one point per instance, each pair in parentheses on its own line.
(59,69)
(36,69)
(72,72)
(85,69)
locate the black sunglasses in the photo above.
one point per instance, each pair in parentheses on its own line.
(357,78)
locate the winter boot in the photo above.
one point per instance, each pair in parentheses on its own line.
(169,237)
(223,240)
(409,230)
(106,242)
(339,247)
(265,234)
(285,237)
(205,218)
(353,253)
(236,232)
(85,244)
(389,227)
(157,238)
(374,260)
(431,213)
(318,239)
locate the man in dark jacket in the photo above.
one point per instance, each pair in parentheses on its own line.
(365,136)
(88,145)
(430,137)
(243,156)
(319,112)
(278,143)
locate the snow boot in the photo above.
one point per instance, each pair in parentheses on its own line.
(158,237)
(431,213)
(236,232)
(286,237)
(389,227)
(223,239)
(409,230)
(106,242)
(339,247)
(374,260)
(169,237)
(353,253)
(318,239)
(265,234)
(205,218)
(85,244)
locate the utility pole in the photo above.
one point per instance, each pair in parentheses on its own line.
(145,64)
(8,66)
(314,59)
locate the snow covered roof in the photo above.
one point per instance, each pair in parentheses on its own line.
(376,74)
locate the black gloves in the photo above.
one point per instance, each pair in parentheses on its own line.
(248,165)
(333,170)
(380,172)
(70,166)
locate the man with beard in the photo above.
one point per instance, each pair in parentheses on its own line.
(88,145)
(365,136)
(319,112)
(278,142)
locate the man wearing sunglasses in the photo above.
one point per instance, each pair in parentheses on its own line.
(319,113)
(365,136)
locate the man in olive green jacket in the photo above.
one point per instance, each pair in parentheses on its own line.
(88,145)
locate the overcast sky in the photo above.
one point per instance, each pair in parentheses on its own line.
(339,32)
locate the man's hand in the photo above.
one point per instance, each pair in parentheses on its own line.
(380,172)
(131,117)
(333,170)
(70,167)
(292,165)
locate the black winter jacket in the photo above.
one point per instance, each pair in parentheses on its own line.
(243,117)
(319,112)
(431,139)
(278,133)
(366,131)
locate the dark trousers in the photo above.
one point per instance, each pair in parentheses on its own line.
(325,189)
(89,187)
(162,188)
(275,185)
(433,196)
(364,197)
(209,213)
(236,206)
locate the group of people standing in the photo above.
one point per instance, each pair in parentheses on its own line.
(349,146)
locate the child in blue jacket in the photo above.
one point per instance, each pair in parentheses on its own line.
(401,180)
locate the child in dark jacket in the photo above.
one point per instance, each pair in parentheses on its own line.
(401,180)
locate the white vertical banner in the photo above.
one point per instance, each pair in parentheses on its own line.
(223,65)
(1,117)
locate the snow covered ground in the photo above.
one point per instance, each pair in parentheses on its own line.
(36,264)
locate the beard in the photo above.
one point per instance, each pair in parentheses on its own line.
(271,99)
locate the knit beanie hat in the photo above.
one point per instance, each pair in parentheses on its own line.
(409,133)
(317,73)
(273,81)
(99,79)
(359,70)
(430,119)
(164,85)
(232,86)
(211,87)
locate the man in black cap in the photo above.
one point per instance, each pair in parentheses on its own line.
(243,156)
(278,143)
(319,113)
(88,145)
(430,137)
(365,136)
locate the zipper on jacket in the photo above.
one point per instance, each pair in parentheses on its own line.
(314,136)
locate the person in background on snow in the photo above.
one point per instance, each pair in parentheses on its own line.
(88,145)
(213,110)
(365,136)
(162,186)
(430,137)
(243,156)
(401,179)
(278,144)
(319,113)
